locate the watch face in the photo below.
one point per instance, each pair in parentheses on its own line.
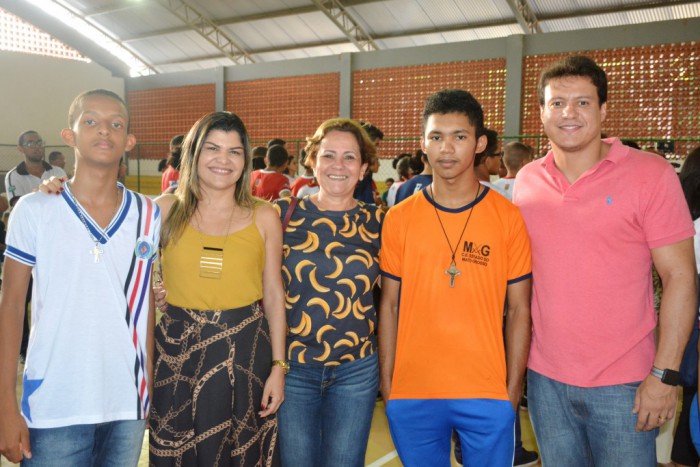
(671,377)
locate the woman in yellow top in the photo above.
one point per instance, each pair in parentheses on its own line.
(219,361)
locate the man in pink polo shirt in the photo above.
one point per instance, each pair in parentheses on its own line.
(599,214)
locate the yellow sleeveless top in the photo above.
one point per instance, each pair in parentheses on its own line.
(240,283)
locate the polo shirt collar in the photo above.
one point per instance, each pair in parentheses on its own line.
(22,167)
(616,153)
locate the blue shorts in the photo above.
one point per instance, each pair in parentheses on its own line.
(421,430)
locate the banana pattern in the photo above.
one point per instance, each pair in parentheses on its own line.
(330,264)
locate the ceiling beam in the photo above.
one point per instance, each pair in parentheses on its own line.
(208,30)
(307,45)
(336,12)
(275,14)
(525,16)
(350,3)
(115,7)
(434,30)
(198,58)
(652,5)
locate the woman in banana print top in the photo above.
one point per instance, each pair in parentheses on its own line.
(330,264)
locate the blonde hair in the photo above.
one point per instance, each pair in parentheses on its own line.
(188,192)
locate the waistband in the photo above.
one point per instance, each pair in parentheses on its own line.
(231,315)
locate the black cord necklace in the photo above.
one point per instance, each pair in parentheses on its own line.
(452,271)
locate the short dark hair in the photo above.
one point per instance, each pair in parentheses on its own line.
(459,101)
(416,162)
(575,65)
(373,132)
(276,142)
(174,160)
(177,140)
(53,155)
(277,155)
(20,140)
(515,153)
(259,151)
(491,146)
(302,158)
(403,167)
(631,143)
(94,92)
(258,163)
(395,160)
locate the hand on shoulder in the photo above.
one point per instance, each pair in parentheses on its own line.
(52,185)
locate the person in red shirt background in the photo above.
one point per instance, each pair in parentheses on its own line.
(270,183)
(172,174)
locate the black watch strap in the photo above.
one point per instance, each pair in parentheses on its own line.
(670,377)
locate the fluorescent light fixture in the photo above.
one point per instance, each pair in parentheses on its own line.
(63,13)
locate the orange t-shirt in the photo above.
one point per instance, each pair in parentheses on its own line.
(450,340)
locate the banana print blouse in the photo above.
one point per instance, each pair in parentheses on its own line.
(330,265)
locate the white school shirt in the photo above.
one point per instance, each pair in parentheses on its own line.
(505,186)
(87,346)
(19,182)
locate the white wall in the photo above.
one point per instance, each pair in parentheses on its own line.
(35,93)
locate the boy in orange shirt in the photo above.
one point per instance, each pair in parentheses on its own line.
(443,364)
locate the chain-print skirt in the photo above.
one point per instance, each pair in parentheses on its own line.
(210,368)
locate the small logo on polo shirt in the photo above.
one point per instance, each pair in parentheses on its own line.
(144,248)
(476,253)
(608,201)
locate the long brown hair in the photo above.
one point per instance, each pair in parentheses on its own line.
(188,192)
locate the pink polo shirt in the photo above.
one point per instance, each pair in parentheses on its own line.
(593,317)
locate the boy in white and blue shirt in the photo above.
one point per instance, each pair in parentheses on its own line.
(90,251)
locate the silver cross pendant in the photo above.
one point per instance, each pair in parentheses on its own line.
(452,272)
(96,251)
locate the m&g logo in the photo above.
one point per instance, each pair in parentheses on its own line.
(475,253)
(471,247)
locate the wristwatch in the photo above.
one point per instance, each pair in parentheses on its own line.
(670,377)
(282,364)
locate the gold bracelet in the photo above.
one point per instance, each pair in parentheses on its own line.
(282,364)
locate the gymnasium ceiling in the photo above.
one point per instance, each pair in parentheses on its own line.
(183,35)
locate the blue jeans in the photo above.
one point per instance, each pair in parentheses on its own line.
(327,413)
(116,444)
(577,426)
